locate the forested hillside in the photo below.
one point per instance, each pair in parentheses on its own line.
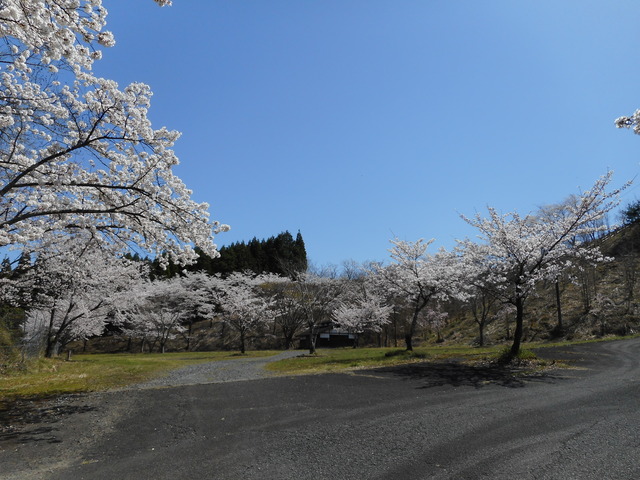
(279,254)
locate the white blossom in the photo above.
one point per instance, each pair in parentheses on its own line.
(77,152)
(516,253)
(70,291)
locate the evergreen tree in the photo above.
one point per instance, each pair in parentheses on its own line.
(5,268)
(280,254)
(301,264)
(631,213)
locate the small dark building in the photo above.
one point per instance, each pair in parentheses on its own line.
(327,336)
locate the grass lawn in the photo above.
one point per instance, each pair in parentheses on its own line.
(85,373)
(339,359)
(333,360)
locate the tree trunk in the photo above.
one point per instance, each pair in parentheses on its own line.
(408,340)
(50,349)
(312,340)
(559,306)
(189,336)
(481,334)
(408,337)
(517,334)
(242,342)
(288,339)
(51,339)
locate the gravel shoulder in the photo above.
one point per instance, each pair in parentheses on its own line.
(236,370)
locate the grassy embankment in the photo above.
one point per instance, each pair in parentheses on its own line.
(43,377)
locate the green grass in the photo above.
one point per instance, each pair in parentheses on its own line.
(340,359)
(43,378)
(343,359)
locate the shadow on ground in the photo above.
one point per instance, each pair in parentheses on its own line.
(456,374)
(32,421)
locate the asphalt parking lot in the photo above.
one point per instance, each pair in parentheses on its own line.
(442,421)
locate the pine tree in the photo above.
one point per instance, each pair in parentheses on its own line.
(280,254)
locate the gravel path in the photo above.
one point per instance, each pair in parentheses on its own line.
(221,371)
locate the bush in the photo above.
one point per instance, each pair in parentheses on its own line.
(404,353)
(523,356)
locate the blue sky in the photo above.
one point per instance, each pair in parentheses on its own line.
(355,121)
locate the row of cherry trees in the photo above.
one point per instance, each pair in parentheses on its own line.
(78,288)
(82,291)
(84,178)
(513,256)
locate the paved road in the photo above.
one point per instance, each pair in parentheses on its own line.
(420,422)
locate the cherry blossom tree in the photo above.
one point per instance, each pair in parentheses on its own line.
(631,122)
(71,291)
(155,311)
(516,253)
(418,277)
(289,315)
(481,302)
(77,152)
(436,318)
(203,293)
(362,309)
(245,307)
(315,297)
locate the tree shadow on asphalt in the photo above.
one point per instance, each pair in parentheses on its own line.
(25,421)
(456,374)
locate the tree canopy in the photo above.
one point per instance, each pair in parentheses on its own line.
(77,152)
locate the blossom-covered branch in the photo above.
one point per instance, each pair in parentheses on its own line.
(76,150)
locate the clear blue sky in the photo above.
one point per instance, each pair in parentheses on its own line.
(357,120)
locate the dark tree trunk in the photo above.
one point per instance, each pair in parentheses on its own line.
(51,339)
(420,303)
(312,340)
(517,334)
(242,348)
(288,338)
(408,340)
(559,306)
(50,349)
(189,336)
